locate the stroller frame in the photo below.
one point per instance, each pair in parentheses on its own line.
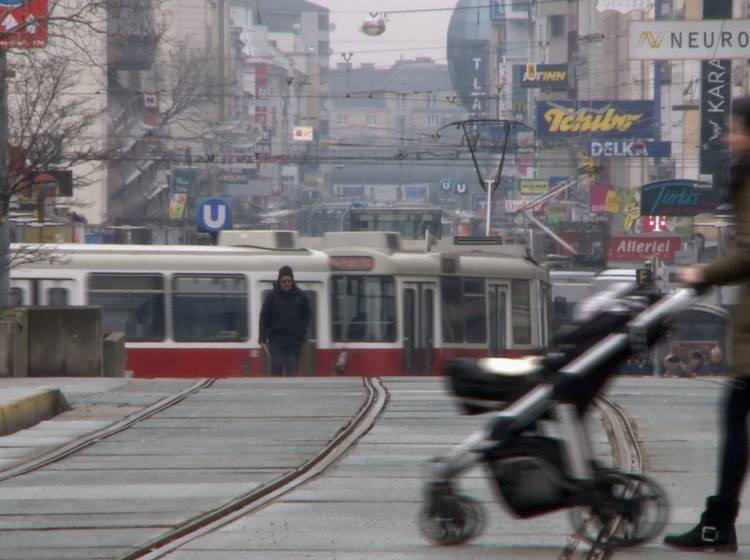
(609,495)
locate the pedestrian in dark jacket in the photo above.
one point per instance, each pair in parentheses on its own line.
(716,530)
(284,319)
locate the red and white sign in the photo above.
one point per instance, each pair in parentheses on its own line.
(640,247)
(654,224)
(23,24)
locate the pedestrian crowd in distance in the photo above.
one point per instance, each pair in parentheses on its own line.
(673,366)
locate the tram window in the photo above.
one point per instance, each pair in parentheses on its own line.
(363,308)
(131,303)
(520,300)
(16,297)
(209,308)
(57,297)
(464,310)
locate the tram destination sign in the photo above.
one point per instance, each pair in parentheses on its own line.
(707,39)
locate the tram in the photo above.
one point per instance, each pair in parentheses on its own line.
(381,306)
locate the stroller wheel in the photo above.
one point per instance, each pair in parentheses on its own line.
(632,510)
(451,519)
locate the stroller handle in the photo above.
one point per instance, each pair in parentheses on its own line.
(667,307)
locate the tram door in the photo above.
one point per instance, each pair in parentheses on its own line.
(418,326)
(309,350)
(497,302)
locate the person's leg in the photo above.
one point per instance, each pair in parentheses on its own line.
(734,450)
(716,530)
(291,361)
(277,360)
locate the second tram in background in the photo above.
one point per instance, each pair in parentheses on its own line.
(381,306)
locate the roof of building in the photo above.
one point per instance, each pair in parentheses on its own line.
(281,15)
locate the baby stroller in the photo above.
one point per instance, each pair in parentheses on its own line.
(535,472)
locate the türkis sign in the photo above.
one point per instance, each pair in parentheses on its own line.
(681,197)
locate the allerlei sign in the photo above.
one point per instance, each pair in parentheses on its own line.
(603,119)
(689,39)
(629,248)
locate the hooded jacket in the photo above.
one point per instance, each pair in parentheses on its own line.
(284,318)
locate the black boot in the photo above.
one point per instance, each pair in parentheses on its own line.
(715,530)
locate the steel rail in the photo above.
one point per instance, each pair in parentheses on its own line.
(90,439)
(266,494)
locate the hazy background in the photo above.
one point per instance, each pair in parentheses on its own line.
(407,34)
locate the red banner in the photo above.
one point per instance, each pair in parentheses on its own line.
(639,248)
(598,198)
(23,24)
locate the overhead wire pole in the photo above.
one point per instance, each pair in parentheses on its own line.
(4,185)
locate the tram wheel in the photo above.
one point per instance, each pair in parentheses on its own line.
(452,519)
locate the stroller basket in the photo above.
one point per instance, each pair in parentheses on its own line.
(491,383)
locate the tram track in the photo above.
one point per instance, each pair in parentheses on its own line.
(627,455)
(258,498)
(82,443)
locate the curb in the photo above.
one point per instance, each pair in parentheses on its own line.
(23,412)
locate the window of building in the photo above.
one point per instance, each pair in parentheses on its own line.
(342,119)
(520,301)
(464,309)
(323,22)
(363,308)
(556,27)
(131,303)
(209,308)
(324,47)
(372,120)
(433,119)
(400,101)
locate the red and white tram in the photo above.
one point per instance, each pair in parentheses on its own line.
(379,306)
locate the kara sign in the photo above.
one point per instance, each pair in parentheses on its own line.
(604,119)
(629,148)
(689,39)
(621,6)
(640,247)
(682,197)
(548,76)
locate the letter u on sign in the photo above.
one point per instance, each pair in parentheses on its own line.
(214,217)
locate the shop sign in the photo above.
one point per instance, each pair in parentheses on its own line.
(534,186)
(640,247)
(703,39)
(629,148)
(604,119)
(548,76)
(683,197)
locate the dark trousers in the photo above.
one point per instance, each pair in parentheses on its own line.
(284,360)
(734,447)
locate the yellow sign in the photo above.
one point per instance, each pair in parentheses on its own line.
(653,40)
(535,187)
(177,204)
(611,204)
(586,120)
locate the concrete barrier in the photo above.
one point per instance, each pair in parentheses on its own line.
(41,403)
(113,354)
(14,345)
(65,341)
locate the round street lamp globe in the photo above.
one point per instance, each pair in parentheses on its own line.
(373,26)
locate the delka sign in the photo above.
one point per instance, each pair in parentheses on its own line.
(23,24)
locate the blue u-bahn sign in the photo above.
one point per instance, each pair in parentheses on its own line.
(214,214)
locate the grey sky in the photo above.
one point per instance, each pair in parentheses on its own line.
(407,34)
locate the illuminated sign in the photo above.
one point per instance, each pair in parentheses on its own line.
(682,197)
(629,148)
(604,119)
(351,263)
(689,39)
(548,76)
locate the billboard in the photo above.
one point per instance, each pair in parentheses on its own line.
(716,98)
(547,76)
(603,119)
(637,248)
(703,39)
(534,186)
(629,148)
(24,24)
(681,197)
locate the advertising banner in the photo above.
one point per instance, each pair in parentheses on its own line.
(602,119)
(598,198)
(681,197)
(547,76)
(716,98)
(184,179)
(23,23)
(534,186)
(177,204)
(689,39)
(629,148)
(637,248)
